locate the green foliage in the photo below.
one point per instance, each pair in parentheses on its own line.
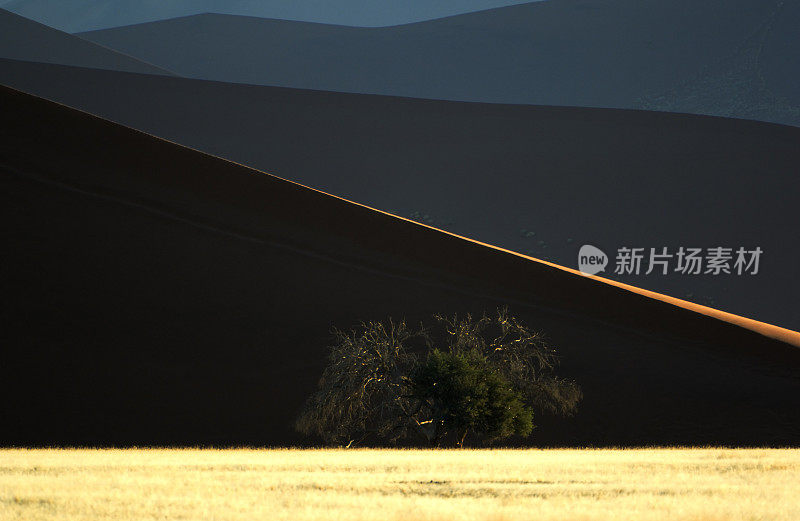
(484,376)
(519,353)
(466,393)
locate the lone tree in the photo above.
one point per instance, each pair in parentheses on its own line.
(482,376)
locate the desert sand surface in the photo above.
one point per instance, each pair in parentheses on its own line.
(718,57)
(541,181)
(23,39)
(158,295)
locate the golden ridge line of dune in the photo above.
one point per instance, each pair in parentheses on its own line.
(785,335)
(769,330)
(782,334)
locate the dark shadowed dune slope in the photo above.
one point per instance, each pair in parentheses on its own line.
(537,180)
(23,39)
(694,56)
(156,295)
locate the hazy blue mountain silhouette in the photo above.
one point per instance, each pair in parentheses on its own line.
(23,39)
(684,55)
(538,180)
(86,15)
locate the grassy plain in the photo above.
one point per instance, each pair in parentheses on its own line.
(640,484)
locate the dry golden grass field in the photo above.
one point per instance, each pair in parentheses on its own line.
(646,484)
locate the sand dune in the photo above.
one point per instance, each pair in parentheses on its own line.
(717,57)
(23,39)
(86,15)
(157,295)
(565,176)
(781,55)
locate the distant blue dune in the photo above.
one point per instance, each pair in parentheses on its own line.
(732,58)
(87,15)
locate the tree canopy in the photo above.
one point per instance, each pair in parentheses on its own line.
(484,377)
